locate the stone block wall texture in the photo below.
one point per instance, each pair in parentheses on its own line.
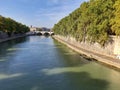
(117,46)
(3,35)
(111,49)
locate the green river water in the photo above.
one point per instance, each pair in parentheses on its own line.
(41,63)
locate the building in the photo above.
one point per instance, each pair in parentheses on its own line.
(33,28)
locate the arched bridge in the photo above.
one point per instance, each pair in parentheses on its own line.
(46,33)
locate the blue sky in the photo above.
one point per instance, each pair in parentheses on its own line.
(40,13)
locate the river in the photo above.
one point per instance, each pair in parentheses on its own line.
(41,63)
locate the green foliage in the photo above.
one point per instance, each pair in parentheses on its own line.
(91,22)
(8,25)
(115,21)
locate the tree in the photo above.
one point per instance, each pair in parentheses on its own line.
(10,26)
(115,21)
(91,22)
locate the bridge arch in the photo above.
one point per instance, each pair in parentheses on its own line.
(52,33)
(39,34)
(46,33)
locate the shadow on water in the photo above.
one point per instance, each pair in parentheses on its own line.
(66,81)
(5,52)
(67,77)
(71,58)
(9,44)
(73,78)
(83,81)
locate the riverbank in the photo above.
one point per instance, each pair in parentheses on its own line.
(111,61)
(11,38)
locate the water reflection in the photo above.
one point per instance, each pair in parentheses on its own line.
(40,63)
(71,58)
(6,48)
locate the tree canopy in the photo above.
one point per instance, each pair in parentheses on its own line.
(116,18)
(93,21)
(11,26)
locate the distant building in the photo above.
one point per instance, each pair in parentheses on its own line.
(39,29)
(33,28)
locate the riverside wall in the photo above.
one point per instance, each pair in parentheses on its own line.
(106,54)
(4,37)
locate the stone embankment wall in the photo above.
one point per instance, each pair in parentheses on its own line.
(117,46)
(4,36)
(105,54)
(111,49)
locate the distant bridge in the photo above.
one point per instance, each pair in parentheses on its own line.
(46,33)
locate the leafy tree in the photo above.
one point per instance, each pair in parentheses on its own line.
(91,22)
(115,21)
(10,26)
